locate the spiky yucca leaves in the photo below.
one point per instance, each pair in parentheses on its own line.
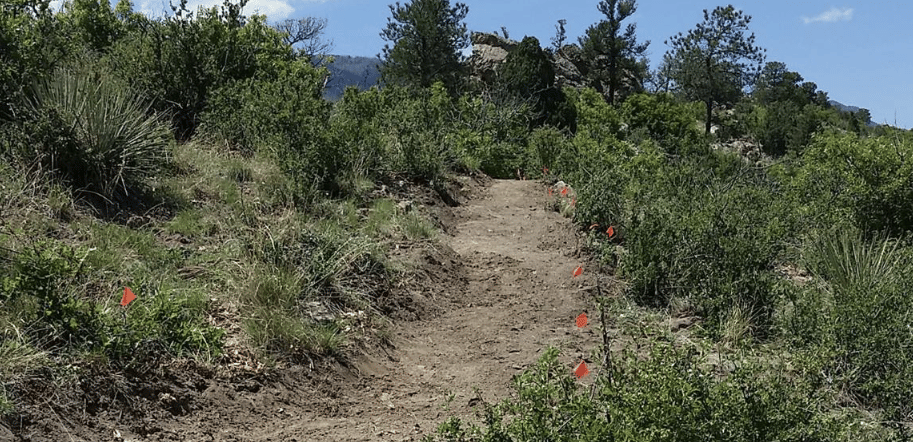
(103,138)
(867,309)
(849,262)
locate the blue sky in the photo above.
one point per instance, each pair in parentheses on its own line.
(859,52)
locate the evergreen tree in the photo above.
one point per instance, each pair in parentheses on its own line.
(776,83)
(528,75)
(614,56)
(427,37)
(714,62)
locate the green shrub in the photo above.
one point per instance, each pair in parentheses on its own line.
(179,61)
(666,121)
(162,321)
(545,145)
(708,233)
(615,181)
(865,312)
(32,45)
(869,180)
(669,395)
(41,295)
(596,119)
(89,127)
(282,116)
(35,293)
(273,113)
(490,135)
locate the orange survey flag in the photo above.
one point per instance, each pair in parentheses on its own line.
(128,297)
(581,320)
(610,232)
(578,271)
(581,370)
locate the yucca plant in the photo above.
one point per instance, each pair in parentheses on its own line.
(849,262)
(868,317)
(105,139)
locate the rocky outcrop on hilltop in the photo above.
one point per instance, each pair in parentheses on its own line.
(488,53)
(490,50)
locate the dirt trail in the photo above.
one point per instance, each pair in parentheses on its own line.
(495,294)
(519,298)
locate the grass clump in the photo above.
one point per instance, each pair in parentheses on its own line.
(44,296)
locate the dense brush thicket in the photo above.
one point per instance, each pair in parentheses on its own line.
(101,100)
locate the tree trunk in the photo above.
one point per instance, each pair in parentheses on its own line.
(709,113)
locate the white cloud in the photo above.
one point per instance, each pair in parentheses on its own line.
(831,16)
(274,10)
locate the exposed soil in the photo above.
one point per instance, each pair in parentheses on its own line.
(488,300)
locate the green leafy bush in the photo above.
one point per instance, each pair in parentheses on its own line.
(709,233)
(671,124)
(34,291)
(179,61)
(868,180)
(32,44)
(282,116)
(596,119)
(545,146)
(161,322)
(490,135)
(40,290)
(669,395)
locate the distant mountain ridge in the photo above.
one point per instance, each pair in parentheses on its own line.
(347,70)
(850,109)
(842,107)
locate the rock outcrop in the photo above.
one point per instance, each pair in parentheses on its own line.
(490,50)
(488,53)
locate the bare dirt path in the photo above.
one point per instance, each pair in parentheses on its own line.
(496,292)
(519,298)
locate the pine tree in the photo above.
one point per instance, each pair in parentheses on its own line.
(427,37)
(714,62)
(614,55)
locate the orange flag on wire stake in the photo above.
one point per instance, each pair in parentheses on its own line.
(578,271)
(581,370)
(128,297)
(610,231)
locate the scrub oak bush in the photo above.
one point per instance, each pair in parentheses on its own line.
(867,180)
(670,394)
